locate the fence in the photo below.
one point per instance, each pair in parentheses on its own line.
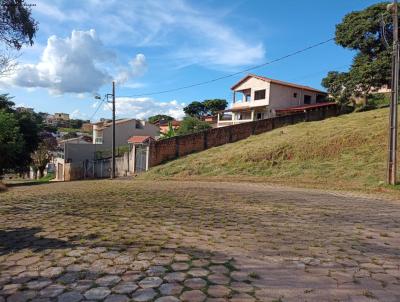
(97,168)
(167,149)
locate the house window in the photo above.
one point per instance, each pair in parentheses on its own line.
(295,95)
(259,116)
(99,140)
(307,99)
(247,98)
(321,98)
(259,95)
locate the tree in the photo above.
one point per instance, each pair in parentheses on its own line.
(75,123)
(6,103)
(70,135)
(212,106)
(207,107)
(29,125)
(44,152)
(195,109)
(159,117)
(361,31)
(192,125)
(11,141)
(170,133)
(338,86)
(17,28)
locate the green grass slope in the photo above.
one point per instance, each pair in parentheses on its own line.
(347,152)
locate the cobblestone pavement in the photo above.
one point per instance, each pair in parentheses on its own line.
(119,241)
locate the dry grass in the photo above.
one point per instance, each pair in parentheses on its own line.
(346,152)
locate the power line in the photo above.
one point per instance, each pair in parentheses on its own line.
(97,109)
(233,74)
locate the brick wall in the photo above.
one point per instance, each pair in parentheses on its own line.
(167,149)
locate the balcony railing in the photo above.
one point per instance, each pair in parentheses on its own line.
(232,122)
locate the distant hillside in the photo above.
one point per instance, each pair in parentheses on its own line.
(347,152)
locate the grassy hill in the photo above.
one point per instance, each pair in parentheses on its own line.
(347,152)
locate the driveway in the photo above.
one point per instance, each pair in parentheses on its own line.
(129,240)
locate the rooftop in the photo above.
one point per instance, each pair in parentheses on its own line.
(276,82)
(139,139)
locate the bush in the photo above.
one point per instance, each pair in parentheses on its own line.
(192,125)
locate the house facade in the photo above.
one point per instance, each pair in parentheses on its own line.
(257,97)
(74,152)
(124,129)
(163,125)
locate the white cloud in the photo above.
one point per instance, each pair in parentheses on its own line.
(77,114)
(142,108)
(137,67)
(186,33)
(75,64)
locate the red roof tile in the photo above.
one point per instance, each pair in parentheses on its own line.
(139,139)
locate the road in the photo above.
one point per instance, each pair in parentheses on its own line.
(161,241)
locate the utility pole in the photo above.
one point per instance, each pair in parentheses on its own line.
(392,156)
(113,132)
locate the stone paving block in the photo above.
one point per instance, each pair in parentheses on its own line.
(22,296)
(70,297)
(142,295)
(198,272)
(117,298)
(195,283)
(167,299)
(38,284)
(193,296)
(52,291)
(173,289)
(97,293)
(218,291)
(150,282)
(109,280)
(218,279)
(125,287)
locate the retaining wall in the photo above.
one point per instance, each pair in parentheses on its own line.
(167,149)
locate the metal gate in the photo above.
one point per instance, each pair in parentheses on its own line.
(140,158)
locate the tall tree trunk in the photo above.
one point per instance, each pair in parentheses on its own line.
(41,172)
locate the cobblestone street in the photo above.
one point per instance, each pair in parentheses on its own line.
(123,240)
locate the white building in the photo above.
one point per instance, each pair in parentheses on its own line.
(257,97)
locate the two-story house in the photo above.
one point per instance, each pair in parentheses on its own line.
(257,97)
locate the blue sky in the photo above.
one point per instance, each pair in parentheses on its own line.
(147,46)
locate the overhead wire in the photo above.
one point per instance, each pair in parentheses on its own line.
(232,74)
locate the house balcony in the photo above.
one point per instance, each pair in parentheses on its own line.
(232,122)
